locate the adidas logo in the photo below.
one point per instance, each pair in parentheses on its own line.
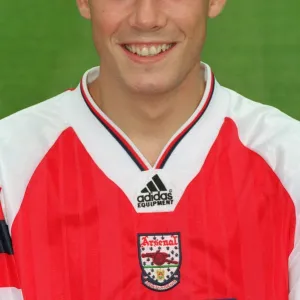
(155,193)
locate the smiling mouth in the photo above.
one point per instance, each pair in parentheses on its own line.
(148,50)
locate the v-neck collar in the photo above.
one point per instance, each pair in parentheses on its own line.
(124,140)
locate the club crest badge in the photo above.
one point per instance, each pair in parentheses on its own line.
(160,260)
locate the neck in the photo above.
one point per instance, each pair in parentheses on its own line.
(149,121)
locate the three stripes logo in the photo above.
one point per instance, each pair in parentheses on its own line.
(154,193)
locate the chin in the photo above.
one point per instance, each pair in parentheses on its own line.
(150,86)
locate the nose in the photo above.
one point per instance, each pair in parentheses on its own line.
(147,16)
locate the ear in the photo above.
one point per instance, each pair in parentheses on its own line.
(84,8)
(215,7)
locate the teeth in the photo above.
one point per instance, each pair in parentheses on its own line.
(138,51)
(145,51)
(148,51)
(153,50)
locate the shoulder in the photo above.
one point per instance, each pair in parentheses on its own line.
(33,117)
(39,122)
(27,135)
(264,128)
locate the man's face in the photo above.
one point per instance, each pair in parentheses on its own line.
(149,46)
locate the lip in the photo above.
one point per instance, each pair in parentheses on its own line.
(147,59)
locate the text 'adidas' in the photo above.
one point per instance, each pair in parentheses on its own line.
(155,193)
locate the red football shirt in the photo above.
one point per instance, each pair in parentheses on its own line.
(86,217)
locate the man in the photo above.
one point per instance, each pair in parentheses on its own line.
(150,180)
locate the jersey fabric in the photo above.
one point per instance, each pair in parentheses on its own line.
(84,216)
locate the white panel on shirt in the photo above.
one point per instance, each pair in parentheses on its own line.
(9,293)
(25,138)
(275,137)
(182,166)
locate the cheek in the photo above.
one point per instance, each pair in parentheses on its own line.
(103,25)
(189,15)
(106,18)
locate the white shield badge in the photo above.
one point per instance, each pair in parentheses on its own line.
(160,260)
